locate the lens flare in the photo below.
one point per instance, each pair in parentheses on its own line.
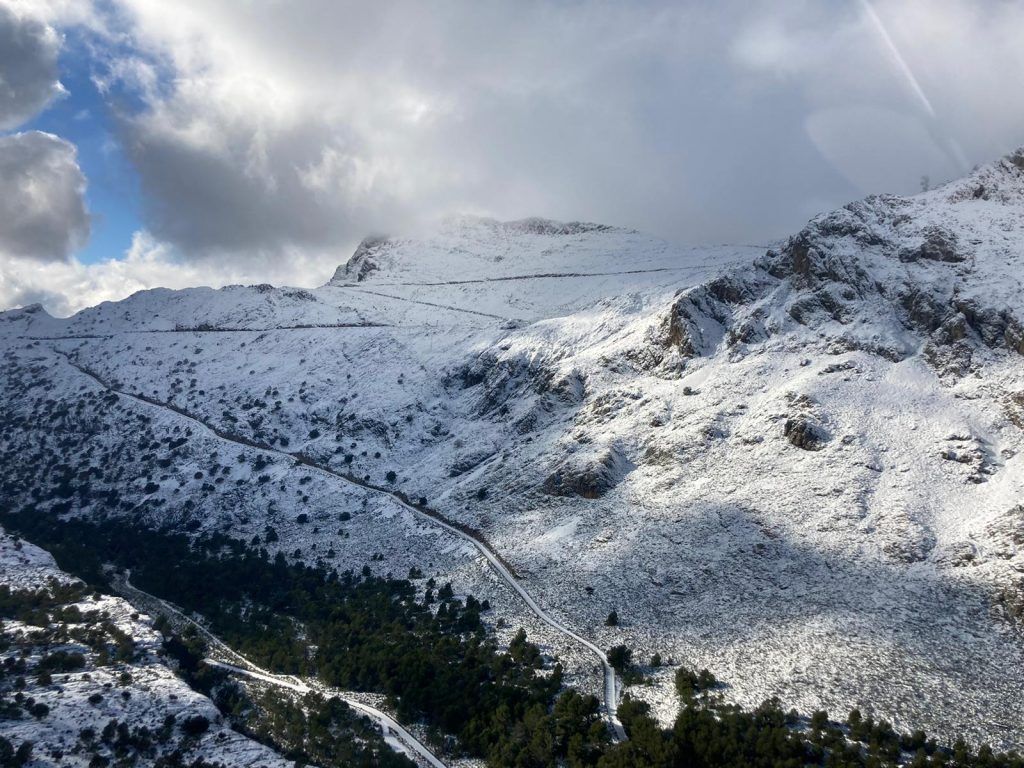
(952,147)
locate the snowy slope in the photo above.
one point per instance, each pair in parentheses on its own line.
(801,468)
(525,270)
(143,693)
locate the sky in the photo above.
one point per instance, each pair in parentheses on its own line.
(206,142)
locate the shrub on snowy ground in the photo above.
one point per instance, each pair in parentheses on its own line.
(690,683)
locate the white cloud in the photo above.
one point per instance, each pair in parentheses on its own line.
(898,143)
(56,12)
(64,288)
(279,129)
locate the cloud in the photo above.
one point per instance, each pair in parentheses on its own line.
(263,129)
(270,129)
(235,179)
(42,206)
(898,144)
(28,67)
(66,287)
(269,139)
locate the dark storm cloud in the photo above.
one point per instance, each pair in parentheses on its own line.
(28,67)
(233,197)
(42,208)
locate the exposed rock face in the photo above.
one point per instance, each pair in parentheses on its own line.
(995,327)
(360,426)
(1014,406)
(825,251)
(505,379)
(468,461)
(975,454)
(880,262)
(1012,600)
(700,319)
(696,323)
(362,263)
(805,434)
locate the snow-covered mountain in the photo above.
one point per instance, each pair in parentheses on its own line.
(799,466)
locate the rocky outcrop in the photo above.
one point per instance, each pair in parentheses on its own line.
(975,454)
(539,226)
(1014,405)
(525,391)
(468,461)
(853,267)
(589,474)
(1001,182)
(362,263)
(995,327)
(805,433)
(701,319)
(938,245)
(824,252)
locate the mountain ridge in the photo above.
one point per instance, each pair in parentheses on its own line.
(800,468)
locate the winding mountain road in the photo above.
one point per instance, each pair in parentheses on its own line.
(244,666)
(386,722)
(497,563)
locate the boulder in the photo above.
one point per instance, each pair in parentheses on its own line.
(805,434)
